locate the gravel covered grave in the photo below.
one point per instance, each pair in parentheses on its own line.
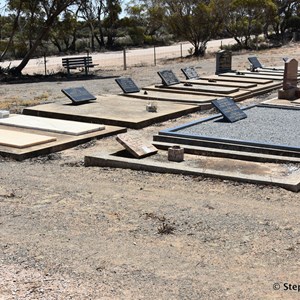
(263,125)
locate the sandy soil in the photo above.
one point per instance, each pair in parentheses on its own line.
(71,232)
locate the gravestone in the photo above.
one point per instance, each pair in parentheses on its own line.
(78,95)
(127,85)
(230,111)
(168,77)
(223,62)
(190,73)
(136,146)
(289,89)
(255,64)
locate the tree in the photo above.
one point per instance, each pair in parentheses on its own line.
(285,10)
(52,10)
(247,17)
(195,20)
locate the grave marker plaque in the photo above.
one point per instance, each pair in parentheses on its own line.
(136,146)
(127,85)
(223,62)
(78,95)
(168,77)
(190,73)
(255,64)
(230,111)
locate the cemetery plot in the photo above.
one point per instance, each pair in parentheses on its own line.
(195,165)
(51,125)
(113,110)
(264,128)
(237,96)
(171,97)
(233,78)
(200,88)
(22,143)
(17,139)
(78,95)
(251,75)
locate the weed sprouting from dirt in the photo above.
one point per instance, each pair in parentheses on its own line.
(165,228)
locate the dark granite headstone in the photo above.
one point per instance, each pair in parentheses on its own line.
(255,64)
(127,85)
(190,73)
(78,95)
(230,111)
(223,62)
(168,77)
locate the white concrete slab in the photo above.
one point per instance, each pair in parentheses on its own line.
(18,139)
(52,125)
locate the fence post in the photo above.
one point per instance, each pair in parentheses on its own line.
(124,59)
(154,49)
(45,63)
(181,50)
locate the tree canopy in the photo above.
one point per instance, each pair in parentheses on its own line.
(30,27)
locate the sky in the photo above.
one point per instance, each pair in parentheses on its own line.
(124,2)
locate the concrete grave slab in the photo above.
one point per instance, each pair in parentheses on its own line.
(17,139)
(226,169)
(48,124)
(238,84)
(200,88)
(113,110)
(59,141)
(237,96)
(252,75)
(171,97)
(137,146)
(236,79)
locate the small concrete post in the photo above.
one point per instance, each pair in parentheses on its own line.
(176,153)
(124,59)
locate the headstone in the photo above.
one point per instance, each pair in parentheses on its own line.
(255,64)
(223,62)
(78,95)
(136,146)
(168,77)
(289,89)
(290,74)
(127,85)
(190,73)
(230,111)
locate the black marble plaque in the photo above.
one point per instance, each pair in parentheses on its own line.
(230,111)
(190,73)
(168,77)
(223,62)
(127,85)
(255,64)
(78,95)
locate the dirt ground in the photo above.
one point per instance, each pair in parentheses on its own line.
(74,232)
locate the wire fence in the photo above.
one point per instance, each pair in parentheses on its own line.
(117,60)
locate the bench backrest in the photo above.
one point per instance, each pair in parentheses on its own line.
(75,61)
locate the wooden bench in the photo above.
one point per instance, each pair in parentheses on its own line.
(85,62)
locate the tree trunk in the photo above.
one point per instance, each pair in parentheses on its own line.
(15,26)
(44,31)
